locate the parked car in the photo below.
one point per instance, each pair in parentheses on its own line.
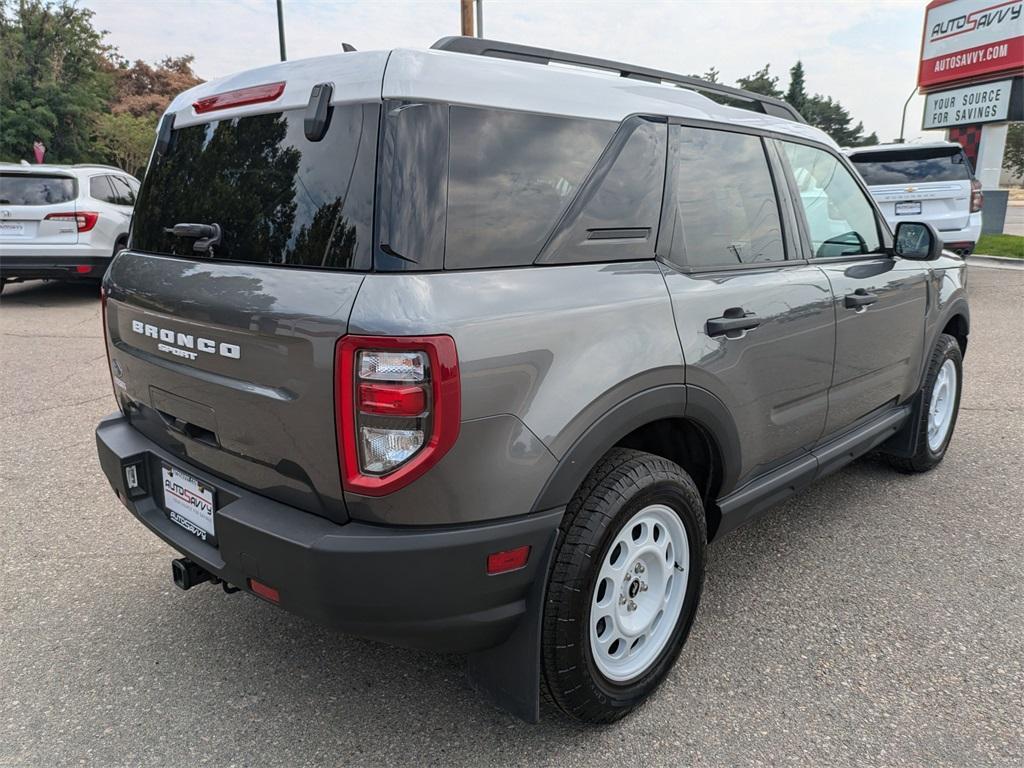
(62,222)
(458,351)
(930,182)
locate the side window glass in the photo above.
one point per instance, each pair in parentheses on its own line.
(512,176)
(615,216)
(840,219)
(722,210)
(122,192)
(414,183)
(99,189)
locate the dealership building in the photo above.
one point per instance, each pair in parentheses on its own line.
(972,75)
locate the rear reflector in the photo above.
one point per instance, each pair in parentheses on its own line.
(84,220)
(83,269)
(262,590)
(257,94)
(508,560)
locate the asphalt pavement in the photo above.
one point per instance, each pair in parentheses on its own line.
(876,619)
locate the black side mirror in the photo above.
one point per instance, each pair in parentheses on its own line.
(917,240)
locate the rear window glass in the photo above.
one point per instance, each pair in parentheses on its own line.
(34,189)
(913,165)
(278,198)
(511,177)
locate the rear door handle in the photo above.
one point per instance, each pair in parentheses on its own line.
(733,319)
(860,299)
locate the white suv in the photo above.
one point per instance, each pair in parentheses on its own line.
(930,182)
(62,221)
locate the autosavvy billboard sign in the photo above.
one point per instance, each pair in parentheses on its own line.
(971,38)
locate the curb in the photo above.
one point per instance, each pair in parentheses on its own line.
(982,260)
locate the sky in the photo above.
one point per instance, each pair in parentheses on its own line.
(862,52)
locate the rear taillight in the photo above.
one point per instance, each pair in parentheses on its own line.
(398,402)
(977,196)
(257,94)
(84,220)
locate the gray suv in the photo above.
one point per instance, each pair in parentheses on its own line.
(461,351)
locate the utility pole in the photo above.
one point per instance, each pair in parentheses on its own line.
(280,30)
(479,18)
(467,17)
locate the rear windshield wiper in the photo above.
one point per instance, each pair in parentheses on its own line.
(208,235)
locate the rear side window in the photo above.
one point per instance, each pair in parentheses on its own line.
(100,189)
(278,197)
(615,216)
(123,192)
(511,177)
(36,189)
(413,185)
(722,210)
(913,165)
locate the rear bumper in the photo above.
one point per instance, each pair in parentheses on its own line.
(89,265)
(418,587)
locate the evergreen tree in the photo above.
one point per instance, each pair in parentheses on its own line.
(797,93)
(762,82)
(820,111)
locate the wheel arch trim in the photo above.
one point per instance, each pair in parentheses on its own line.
(679,401)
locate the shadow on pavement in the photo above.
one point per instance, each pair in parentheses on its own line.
(50,293)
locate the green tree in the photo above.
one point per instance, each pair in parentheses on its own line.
(834,119)
(52,80)
(820,111)
(1013,156)
(711,75)
(762,82)
(125,140)
(796,94)
(125,134)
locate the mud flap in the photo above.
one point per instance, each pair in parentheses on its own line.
(508,675)
(904,443)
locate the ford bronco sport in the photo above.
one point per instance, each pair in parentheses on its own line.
(463,351)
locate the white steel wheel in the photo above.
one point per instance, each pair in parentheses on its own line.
(942,405)
(639,593)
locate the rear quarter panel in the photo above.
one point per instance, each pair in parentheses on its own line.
(543,353)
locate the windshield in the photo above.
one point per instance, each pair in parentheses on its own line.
(277,197)
(913,165)
(35,189)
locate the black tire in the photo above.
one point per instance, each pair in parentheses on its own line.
(924,458)
(120,245)
(623,483)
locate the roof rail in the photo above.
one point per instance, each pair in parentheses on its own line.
(98,165)
(480,47)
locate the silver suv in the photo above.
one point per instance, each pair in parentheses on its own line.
(461,351)
(62,221)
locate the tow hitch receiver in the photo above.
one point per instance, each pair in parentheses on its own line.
(187,574)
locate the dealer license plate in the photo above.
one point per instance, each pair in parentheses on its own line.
(189,503)
(12,228)
(908,209)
